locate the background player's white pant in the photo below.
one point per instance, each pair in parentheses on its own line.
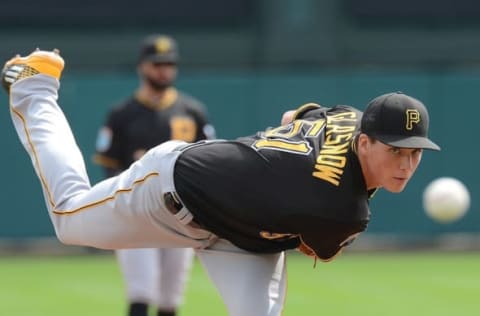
(127,211)
(155,276)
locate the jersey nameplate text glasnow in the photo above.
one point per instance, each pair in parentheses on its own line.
(332,157)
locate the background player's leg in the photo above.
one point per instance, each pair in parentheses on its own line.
(173,270)
(249,284)
(139,268)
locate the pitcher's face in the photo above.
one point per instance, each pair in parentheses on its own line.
(387,166)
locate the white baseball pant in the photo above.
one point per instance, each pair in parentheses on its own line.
(127,211)
(155,276)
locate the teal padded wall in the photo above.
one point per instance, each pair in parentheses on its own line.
(242,102)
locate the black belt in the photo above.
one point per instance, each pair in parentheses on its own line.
(172,202)
(174,205)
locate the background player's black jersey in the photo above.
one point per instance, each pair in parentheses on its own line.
(135,126)
(311,159)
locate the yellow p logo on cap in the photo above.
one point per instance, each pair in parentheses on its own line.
(163,45)
(413,117)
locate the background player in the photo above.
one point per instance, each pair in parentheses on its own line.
(240,203)
(157,112)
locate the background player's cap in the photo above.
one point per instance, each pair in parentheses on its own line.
(398,120)
(159,49)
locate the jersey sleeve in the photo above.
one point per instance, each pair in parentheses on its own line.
(108,145)
(199,112)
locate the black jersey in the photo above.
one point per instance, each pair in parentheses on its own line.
(135,126)
(295,186)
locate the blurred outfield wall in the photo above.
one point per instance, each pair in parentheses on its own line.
(242,102)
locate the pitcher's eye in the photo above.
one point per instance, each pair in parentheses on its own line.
(394,150)
(417,151)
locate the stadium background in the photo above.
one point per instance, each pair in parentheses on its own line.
(251,60)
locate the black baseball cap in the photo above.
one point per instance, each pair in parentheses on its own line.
(159,49)
(398,120)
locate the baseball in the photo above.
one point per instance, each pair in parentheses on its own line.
(446,199)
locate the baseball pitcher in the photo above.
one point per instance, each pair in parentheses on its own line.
(239,203)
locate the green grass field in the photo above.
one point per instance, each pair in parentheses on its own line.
(387,284)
